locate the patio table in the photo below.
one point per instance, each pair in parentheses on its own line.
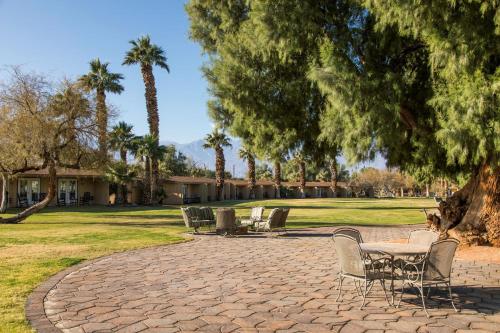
(394,250)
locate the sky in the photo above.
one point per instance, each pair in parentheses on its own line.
(60,37)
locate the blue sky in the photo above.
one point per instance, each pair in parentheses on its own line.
(60,37)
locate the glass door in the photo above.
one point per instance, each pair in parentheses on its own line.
(29,190)
(67,192)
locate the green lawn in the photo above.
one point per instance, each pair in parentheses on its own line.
(50,241)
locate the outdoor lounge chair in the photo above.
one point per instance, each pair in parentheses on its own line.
(255,216)
(358,267)
(273,221)
(195,217)
(351,232)
(432,270)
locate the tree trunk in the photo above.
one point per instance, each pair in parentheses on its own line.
(427,194)
(219,172)
(302,175)
(153,121)
(123,157)
(334,177)
(154,180)
(277,179)
(102,124)
(147,182)
(5,186)
(472,213)
(42,204)
(251,176)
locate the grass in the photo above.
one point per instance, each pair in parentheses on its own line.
(57,238)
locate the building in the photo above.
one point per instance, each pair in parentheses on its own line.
(73,187)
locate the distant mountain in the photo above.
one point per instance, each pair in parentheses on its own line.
(205,158)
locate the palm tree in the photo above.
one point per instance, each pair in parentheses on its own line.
(121,139)
(146,149)
(101,80)
(149,55)
(119,174)
(247,155)
(299,160)
(277,177)
(217,141)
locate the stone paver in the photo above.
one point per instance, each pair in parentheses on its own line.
(254,283)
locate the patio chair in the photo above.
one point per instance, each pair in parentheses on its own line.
(195,217)
(22,200)
(272,223)
(351,232)
(354,265)
(255,216)
(284,216)
(86,199)
(190,220)
(423,237)
(432,270)
(61,199)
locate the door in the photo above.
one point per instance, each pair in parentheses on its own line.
(67,192)
(29,190)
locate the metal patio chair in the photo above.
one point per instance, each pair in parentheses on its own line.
(354,233)
(255,216)
(356,266)
(432,270)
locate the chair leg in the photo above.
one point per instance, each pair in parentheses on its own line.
(451,297)
(422,296)
(382,283)
(367,289)
(340,288)
(402,293)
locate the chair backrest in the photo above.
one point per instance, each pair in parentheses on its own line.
(284,216)
(351,232)
(257,213)
(439,259)
(207,213)
(423,237)
(186,217)
(275,217)
(349,255)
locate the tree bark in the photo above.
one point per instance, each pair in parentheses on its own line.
(123,157)
(427,194)
(147,182)
(153,121)
(472,213)
(334,177)
(5,185)
(219,172)
(302,175)
(251,176)
(102,124)
(42,204)
(277,179)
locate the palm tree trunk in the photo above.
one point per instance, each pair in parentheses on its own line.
(277,179)
(302,175)
(219,171)
(251,176)
(154,180)
(124,189)
(5,185)
(147,182)
(334,177)
(153,120)
(51,193)
(102,124)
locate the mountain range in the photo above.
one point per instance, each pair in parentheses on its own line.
(205,158)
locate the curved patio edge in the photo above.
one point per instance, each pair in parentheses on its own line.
(34,307)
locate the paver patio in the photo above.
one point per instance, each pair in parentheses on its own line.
(253,283)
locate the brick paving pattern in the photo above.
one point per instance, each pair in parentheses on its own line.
(253,283)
